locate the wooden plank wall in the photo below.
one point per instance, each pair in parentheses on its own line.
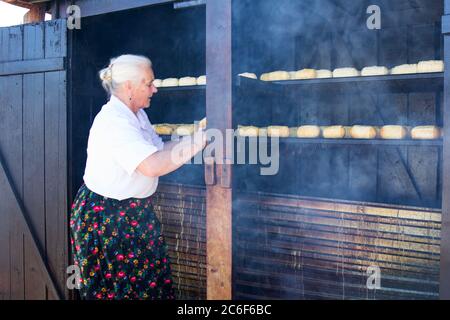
(33,143)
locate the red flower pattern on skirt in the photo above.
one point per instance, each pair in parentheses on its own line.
(119,248)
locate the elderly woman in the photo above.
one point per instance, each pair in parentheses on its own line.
(115,235)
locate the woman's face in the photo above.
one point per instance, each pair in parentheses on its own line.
(143,92)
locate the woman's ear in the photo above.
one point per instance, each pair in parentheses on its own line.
(129,86)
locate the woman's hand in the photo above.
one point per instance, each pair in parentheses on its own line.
(202,124)
(199,138)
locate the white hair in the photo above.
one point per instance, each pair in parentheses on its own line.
(124,68)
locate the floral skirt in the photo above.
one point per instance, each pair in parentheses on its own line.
(118,248)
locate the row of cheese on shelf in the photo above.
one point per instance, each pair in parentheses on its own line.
(182,82)
(179,129)
(422,67)
(342,132)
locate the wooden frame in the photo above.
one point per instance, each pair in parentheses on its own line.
(445,228)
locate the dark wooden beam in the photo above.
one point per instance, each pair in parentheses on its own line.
(95,7)
(218,111)
(31,66)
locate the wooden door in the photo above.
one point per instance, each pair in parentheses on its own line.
(33,161)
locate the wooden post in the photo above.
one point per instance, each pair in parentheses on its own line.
(218,110)
(444,285)
(35,14)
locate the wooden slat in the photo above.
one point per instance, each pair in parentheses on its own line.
(31,66)
(33,173)
(56,175)
(55,39)
(10,113)
(33,45)
(4,43)
(56,204)
(34,158)
(11,44)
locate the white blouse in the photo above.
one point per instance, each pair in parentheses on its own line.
(119,141)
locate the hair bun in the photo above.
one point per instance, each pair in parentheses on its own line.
(106,74)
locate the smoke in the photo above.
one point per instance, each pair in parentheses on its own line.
(322,34)
(288,35)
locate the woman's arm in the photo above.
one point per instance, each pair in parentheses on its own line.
(173,156)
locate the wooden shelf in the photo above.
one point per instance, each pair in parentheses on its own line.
(383,142)
(181,89)
(374,142)
(421,82)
